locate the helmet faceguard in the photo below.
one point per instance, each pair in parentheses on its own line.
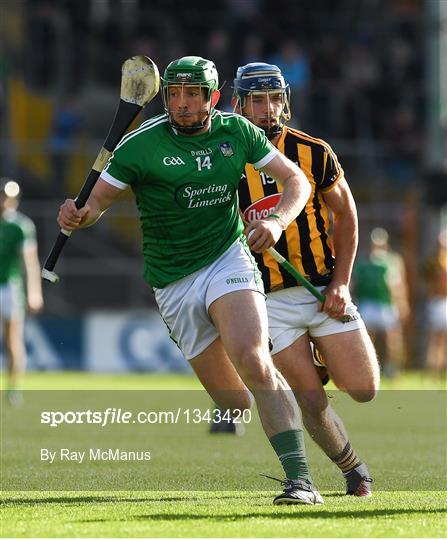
(191,71)
(259,78)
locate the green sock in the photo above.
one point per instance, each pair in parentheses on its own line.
(289,446)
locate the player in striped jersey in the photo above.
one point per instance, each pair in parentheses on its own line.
(295,317)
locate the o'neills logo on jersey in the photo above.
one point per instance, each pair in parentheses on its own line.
(195,195)
(262,208)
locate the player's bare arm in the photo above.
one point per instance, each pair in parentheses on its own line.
(398,288)
(342,205)
(33,281)
(296,191)
(101,198)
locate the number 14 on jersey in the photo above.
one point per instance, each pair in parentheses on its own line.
(203,162)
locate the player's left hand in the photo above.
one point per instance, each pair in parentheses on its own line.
(337,299)
(266,232)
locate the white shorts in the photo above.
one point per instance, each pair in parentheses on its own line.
(294,311)
(184,304)
(437,313)
(379,316)
(12,301)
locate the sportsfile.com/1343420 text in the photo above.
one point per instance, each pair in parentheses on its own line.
(113,415)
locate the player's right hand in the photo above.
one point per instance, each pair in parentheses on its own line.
(71,218)
(262,234)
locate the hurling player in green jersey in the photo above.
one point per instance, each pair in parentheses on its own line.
(381,291)
(18,249)
(184,168)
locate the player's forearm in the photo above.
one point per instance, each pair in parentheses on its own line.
(401,301)
(296,188)
(71,218)
(296,192)
(95,212)
(398,289)
(99,201)
(345,240)
(33,278)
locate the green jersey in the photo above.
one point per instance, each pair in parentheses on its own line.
(16,230)
(374,277)
(186,189)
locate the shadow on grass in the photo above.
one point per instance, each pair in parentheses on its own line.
(100,499)
(301,513)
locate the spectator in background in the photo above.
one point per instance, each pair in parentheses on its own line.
(294,64)
(245,11)
(4,71)
(381,292)
(65,125)
(361,77)
(218,47)
(400,68)
(326,84)
(405,141)
(436,277)
(252,48)
(17,245)
(145,45)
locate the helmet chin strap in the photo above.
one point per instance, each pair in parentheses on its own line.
(272,131)
(197,126)
(187,130)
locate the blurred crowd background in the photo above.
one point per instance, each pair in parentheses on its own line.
(366,75)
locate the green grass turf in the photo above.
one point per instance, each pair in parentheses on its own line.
(390,449)
(225,514)
(63,380)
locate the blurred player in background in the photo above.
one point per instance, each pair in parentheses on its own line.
(380,288)
(436,277)
(184,167)
(18,251)
(295,316)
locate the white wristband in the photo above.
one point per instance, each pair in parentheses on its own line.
(280,221)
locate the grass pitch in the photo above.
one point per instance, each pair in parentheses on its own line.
(224,514)
(397,442)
